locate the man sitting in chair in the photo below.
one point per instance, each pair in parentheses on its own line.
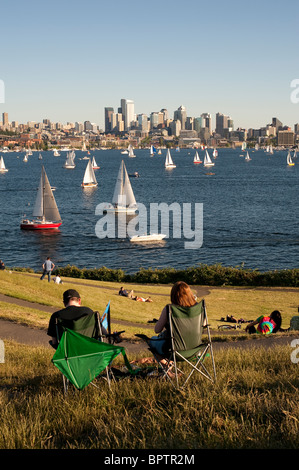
(73,311)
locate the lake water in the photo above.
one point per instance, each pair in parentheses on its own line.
(250,210)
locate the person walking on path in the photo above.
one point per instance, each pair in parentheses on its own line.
(48,267)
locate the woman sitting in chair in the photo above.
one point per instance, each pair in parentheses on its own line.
(182,296)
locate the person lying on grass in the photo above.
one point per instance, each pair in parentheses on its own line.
(266,324)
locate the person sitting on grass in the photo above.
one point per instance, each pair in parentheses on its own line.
(265,324)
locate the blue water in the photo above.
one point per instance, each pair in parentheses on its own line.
(250,210)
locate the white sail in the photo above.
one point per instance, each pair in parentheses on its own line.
(207,160)
(89,176)
(247,158)
(131,151)
(70,160)
(215,153)
(289,159)
(152,151)
(196,158)
(168,161)
(128,191)
(3,169)
(123,196)
(94,163)
(45,205)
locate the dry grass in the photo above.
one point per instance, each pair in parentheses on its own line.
(253,405)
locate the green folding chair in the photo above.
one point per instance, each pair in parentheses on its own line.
(88,327)
(186,346)
(81,359)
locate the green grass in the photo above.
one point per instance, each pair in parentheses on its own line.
(247,303)
(253,405)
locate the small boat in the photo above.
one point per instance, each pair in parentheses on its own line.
(289,159)
(70,161)
(56,153)
(3,168)
(196,158)
(207,160)
(152,151)
(89,180)
(45,210)
(215,153)
(168,161)
(123,199)
(154,237)
(94,164)
(40,156)
(131,151)
(25,159)
(247,158)
(124,152)
(135,174)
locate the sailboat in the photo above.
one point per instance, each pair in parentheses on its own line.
(70,160)
(244,145)
(168,161)
(247,158)
(131,151)
(40,156)
(94,164)
(207,160)
(46,214)
(3,169)
(215,153)
(89,180)
(289,159)
(196,158)
(124,152)
(56,153)
(123,198)
(25,159)
(152,151)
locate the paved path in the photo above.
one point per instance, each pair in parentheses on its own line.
(33,336)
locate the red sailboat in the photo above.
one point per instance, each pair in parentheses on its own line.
(45,213)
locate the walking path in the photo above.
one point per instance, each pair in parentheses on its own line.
(37,337)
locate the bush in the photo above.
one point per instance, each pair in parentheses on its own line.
(213,275)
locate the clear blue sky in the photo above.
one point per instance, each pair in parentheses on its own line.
(66,60)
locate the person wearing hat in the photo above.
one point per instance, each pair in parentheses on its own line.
(73,310)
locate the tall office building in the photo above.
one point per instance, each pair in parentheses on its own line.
(127,109)
(108,115)
(181,115)
(5,119)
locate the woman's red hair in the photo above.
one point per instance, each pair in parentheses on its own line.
(182,295)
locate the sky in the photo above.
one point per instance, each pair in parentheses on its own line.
(68,60)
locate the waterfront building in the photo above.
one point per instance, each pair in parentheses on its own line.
(286,138)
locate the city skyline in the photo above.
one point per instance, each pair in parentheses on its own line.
(66,63)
